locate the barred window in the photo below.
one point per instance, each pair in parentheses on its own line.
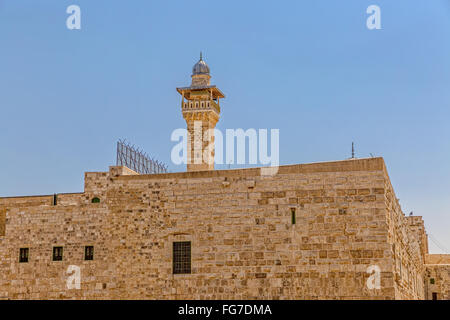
(57,253)
(23,255)
(182,257)
(89,253)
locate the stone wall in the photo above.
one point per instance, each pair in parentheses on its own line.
(243,242)
(244,245)
(437,276)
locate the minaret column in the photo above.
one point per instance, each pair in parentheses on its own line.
(201,112)
(200,128)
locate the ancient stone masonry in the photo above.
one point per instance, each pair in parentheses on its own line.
(437,284)
(331,230)
(239,223)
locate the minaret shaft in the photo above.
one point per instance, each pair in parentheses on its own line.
(201,110)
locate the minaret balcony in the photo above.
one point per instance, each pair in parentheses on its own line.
(200,105)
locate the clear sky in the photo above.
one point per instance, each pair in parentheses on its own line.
(309,68)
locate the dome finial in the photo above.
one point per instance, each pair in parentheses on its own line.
(200,67)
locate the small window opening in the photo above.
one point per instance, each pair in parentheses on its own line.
(23,255)
(57,253)
(96,200)
(435,296)
(55,199)
(89,253)
(432,280)
(293,216)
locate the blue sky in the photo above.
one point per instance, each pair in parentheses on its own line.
(309,68)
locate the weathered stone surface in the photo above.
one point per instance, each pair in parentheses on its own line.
(244,245)
(437,276)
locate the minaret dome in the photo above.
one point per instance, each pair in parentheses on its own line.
(200,73)
(200,67)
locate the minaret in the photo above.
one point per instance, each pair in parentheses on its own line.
(201,110)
